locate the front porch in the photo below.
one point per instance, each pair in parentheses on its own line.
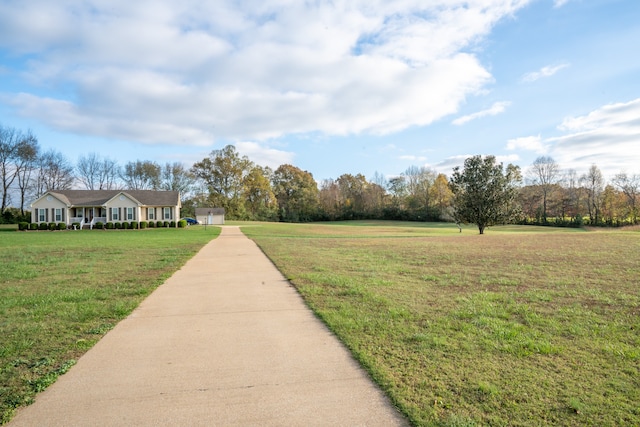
(87,217)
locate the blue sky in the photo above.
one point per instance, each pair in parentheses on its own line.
(358,86)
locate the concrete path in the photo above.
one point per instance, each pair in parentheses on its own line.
(226,341)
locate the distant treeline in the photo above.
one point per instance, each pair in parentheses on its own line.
(247,191)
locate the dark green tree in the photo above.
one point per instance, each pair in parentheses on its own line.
(223,173)
(296,192)
(484,193)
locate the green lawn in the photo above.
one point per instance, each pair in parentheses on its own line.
(520,326)
(60,292)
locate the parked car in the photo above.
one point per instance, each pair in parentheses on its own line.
(191,221)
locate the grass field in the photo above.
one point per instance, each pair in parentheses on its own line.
(521,326)
(60,292)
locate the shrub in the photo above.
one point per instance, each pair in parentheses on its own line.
(151,224)
(33,226)
(109,226)
(62,226)
(43,226)
(143,224)
(53,226)
(166,224)
(126,225)
(182,223)
(135,225)
(118,225)
(159,224)
(99,225)
(23,226)
(172,224)
(76,226)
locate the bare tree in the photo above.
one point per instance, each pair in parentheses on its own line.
(54,172)
(97,173)
(594,184)
(141,175)
(175,177)
(17,150)
(545,173)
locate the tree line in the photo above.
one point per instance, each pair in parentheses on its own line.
(542,194)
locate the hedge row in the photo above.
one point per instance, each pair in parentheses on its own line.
(134,225)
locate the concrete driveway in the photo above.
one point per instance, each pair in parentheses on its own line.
(226,341)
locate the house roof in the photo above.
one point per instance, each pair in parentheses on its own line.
(205,211)
(100,197)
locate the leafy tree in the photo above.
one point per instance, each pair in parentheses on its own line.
(260,201)
(630,187)
(25,166)
(296,192)
(419,181)
(223,174)
(484,194)
(330,200)
(441,195)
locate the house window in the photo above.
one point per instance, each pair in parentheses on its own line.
(41,215)
(130,214)
(151,213)
(58,215)
(114,214)
(167,213)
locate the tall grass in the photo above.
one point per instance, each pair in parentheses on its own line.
(60,292)
(521,326)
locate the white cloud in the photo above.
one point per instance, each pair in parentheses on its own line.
(560,3)
(607,137)
(191,72)
(527,143)
(495,109)
(264,156)
(546,71)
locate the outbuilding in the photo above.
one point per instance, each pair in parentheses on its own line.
(210,216)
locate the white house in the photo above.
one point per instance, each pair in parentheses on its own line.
(87,207)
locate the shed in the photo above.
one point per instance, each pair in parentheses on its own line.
(210,216)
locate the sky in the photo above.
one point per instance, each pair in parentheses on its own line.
(332,87)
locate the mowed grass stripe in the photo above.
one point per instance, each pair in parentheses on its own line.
(60,292)
(521,326)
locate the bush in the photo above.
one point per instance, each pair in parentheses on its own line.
(53,226)
(76,226)
(99,225)
(126,225)
(151,224)
(134,225)
(62,226)
(23,226)
(33,226)
(172,224)
(109,226)
(165,224)
(118,225)
(182,223)
(143,224)
(43,226)
(159,224)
